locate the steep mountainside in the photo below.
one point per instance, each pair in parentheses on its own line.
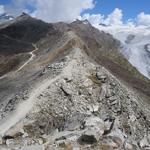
(67,86)
(17,37)
(135,43)
(20,34)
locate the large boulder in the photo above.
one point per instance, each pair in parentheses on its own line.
(94,129)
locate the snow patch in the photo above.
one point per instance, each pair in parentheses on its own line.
(134,50)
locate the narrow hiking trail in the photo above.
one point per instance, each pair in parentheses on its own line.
(25,107)
(26,63)
(30,59)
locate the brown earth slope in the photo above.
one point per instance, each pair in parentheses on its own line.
(18,37)
(104,49)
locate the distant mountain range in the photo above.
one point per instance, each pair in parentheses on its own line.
(5,17)
(136,45)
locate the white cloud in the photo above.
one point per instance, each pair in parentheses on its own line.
(1,9)
(61,10)
(115,18)
(52,10)
(94,19)
(143,19)
(16,7)
(69,10)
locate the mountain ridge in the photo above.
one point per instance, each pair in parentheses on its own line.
(72,87)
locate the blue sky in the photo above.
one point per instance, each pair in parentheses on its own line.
(4,1)
(130,8)
(52,11)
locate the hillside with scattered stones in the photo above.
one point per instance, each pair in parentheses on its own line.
(74,91)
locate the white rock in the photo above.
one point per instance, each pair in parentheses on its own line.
(113,103)
(113,84)
(22,131)
(25,135)
(93,108)
(108,125)
(9,142)
(33,147)
(101,77)
(132,118)
(148,138)
(118,133)
(73,138)
(144,143)
(103,90)
(1,140)
(76,148)
(112,144)
(113,98)
(128,146)
(69,89)
(94,121)
(94,127)
(40,141)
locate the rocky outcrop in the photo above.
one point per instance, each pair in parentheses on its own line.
(82,106)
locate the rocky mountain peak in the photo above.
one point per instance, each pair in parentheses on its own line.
(86,22)
(24,16)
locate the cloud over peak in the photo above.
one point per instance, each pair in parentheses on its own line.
(116,19)
(143,19)
(69,10)
(61,10)
(94,19)
(51,10)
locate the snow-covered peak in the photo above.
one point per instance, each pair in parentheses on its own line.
(5,17)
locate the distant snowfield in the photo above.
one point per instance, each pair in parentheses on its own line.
(135,45)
